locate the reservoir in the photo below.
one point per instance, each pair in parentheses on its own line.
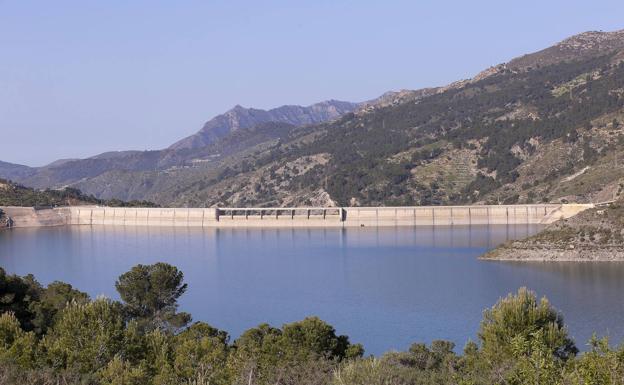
(383,287)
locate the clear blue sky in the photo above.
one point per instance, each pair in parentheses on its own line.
(82,77)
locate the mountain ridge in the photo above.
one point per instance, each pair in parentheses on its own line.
(240,117)
(515,132)
(577,46)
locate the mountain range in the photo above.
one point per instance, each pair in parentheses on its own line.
(242,118)
(547,126)
(185,152)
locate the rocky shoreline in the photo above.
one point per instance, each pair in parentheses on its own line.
(548,253)
(591,236)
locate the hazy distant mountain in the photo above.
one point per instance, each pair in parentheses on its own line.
(15,171)
(240,117)
(215,140)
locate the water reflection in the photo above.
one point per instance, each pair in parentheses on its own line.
(385,288)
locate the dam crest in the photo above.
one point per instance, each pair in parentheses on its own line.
(295,216)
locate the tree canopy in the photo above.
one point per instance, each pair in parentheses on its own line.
(150,294)
(522,341)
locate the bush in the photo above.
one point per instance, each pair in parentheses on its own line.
(86,336)
(522,317)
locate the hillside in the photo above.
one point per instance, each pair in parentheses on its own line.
(12,194)
(594,235)
(11,170)
(509,135)
(547,126)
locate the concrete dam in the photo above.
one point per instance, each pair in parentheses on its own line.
(295,216)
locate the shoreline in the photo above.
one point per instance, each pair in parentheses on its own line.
(595,235)
(505,253)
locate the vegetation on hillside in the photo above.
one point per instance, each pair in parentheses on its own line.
(586,236)
(547,126)
(58,335)
(13,194)
(513,136)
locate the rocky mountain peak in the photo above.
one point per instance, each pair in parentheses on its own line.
(577,47)
(594,40)
(237,108)
(240,117)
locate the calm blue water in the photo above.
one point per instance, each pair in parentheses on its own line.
(385,288)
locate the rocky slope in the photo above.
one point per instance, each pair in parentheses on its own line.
(594,235)
(581,46)
(547,126)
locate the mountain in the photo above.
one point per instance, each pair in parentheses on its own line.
(220,137)
(240,118)
(547,126)
(15,171)
(514,133)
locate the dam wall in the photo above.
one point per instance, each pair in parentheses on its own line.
(32,217)
(452,215)
(295,216)
(325,216)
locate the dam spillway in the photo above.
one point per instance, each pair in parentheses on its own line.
(295,216)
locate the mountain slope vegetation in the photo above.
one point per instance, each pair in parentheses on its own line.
(518,134)
(12,194)
(547,126)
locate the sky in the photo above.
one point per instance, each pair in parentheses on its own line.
(78,78)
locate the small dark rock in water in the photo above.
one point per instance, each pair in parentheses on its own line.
(5,220)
